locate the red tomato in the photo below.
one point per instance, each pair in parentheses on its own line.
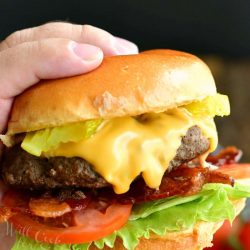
(244,236)
(237,170)
(90,225)
(227,229)
(77,226)
(221,237)
(223,232)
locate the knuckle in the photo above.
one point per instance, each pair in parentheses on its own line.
(84,31)
(18,37)
(86,28)
(47,27)
(53,29)
(45,30)
(3,45)
(54,46)
(12,39)
(39,48)
(89,30)
(7,57)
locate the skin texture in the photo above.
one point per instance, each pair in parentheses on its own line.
(49,51)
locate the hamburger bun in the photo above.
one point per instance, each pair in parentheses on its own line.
(152,81)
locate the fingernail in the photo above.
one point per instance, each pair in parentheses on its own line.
(125,47)
(86,52)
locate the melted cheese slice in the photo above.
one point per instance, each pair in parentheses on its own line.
(125,147)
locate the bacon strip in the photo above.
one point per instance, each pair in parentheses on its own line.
(228,155)
(5,214)
(48,207)
(183,181)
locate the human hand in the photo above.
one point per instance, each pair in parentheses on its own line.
(49,51)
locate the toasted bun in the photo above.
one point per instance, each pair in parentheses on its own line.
(196,238)
(151,81)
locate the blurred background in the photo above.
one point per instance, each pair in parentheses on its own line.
(217,31)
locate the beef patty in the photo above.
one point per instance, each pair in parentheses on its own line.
(23,170)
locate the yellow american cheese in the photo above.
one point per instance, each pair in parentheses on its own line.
(126,147)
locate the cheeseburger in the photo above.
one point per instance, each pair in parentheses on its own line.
(119,158)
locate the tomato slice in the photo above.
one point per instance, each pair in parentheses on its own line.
(85,221)
(90,225)
(237,170)
(244,236)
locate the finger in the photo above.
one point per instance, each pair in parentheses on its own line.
(125,46)
(79,33)
(25,64)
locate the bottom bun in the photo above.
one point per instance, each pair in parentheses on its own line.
(196,238)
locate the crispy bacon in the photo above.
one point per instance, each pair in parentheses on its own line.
(228,155)
(183,181)
(48,207)
(5,214)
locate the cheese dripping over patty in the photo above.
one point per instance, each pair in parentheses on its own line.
(126,147)
(122,148)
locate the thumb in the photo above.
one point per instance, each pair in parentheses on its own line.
(25,64)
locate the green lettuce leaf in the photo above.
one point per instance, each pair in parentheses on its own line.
(43,140)
(173,214)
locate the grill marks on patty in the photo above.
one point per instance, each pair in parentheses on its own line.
(23,170)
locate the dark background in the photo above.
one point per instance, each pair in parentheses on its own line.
(212,26)
(217,30)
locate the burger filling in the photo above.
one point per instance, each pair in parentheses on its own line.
(93,181)
(23,170)
(114,152)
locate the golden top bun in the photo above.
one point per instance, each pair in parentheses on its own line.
(151,81)
(196,238)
